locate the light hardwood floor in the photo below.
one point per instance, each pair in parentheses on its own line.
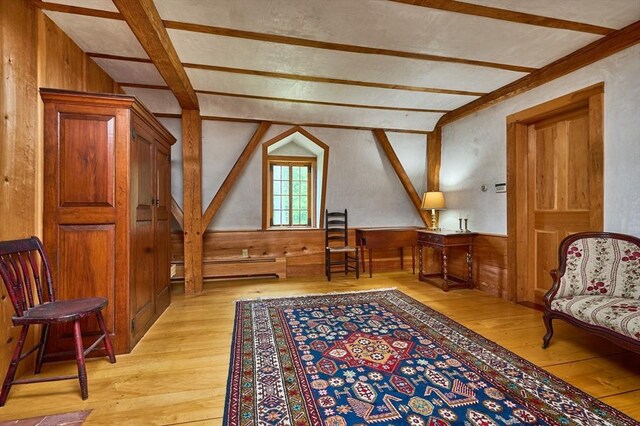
(177,374)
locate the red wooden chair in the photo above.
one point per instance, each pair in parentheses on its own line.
(23,268)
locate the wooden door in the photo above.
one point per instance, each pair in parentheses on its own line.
(162,227)
(555,185)
(142,245)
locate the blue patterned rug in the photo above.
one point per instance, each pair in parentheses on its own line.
(383,358)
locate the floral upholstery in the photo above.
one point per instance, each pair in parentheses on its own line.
(618,314)
(601,266)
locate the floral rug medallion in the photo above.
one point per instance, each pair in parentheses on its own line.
(383,358)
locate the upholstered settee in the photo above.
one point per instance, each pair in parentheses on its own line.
(597,287)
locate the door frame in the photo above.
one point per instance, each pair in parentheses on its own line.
(591,97)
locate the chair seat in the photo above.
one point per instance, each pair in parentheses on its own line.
(63,310)
(345,249)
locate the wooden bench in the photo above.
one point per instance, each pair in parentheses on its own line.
(236,267)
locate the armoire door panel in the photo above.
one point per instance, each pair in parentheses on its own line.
(87,164)
(89,271)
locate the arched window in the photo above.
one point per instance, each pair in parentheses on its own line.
(294,180)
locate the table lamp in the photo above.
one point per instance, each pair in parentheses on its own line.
(433,201)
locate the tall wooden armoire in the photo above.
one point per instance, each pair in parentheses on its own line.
(107,189)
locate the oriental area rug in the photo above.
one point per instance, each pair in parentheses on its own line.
(383,358)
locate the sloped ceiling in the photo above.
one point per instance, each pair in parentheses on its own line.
(397,65)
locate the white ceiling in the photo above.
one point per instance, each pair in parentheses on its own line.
(370,23)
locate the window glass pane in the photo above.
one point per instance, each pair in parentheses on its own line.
(276,188)
(303,203)
(285,173)
(285,218)
(277,202)
(296,188)
(304,218)
(296,217)
(276,218)
(285,203)
(296,202)
(296,172)
(285,188)
(277,172)
(303,188)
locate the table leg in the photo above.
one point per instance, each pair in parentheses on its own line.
(470,266)
(445,253)
(370,265)
(413,260)
(362,257)
(401,249)
(419,261)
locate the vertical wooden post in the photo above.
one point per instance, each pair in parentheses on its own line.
(434,159)
(192,202)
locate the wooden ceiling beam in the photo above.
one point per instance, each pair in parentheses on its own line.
(291,123)
(317,44)
(293,41)
(508,15)
(317,79)
(299,77)
(145,22)
(599,49)
(278,99)
(233,175)
(384,143)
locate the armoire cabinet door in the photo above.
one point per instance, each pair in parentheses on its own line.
(143,239)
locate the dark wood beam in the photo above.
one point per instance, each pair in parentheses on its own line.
(318,79)
(317,44)
(434,159)
(290,123)
(177,213)
(145,22)
(384,143)
(192,198)
(300,101)
(508,15)
(233,175)
(299,77)
(281,39)
(599,49)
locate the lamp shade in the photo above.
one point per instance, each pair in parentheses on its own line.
(433,201)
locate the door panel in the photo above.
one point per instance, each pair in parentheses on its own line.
(559,192)
(143,238)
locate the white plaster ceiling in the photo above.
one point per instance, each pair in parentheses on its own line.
(378,24)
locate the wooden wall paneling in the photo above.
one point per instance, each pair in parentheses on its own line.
(97,81)
(19,156)
(384,143)
(192,201)
(233,175)
(593,52)
(64,61)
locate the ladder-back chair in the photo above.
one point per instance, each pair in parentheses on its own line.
(336,239)
(26,273)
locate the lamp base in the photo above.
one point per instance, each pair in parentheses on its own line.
(433,220)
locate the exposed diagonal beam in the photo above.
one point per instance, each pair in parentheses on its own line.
(145,22)
(434,159)
(177,213)
(599,49)
(508,15)
(294,41)
(233,175)
(384,143)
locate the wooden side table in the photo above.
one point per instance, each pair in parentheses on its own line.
(443,241)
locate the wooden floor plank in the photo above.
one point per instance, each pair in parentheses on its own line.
(178,372)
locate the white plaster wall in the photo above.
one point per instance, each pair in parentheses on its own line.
(360,178)
(474,149)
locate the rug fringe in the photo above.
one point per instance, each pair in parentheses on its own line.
(333,293)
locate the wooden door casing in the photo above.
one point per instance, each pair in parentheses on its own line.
(555,184)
